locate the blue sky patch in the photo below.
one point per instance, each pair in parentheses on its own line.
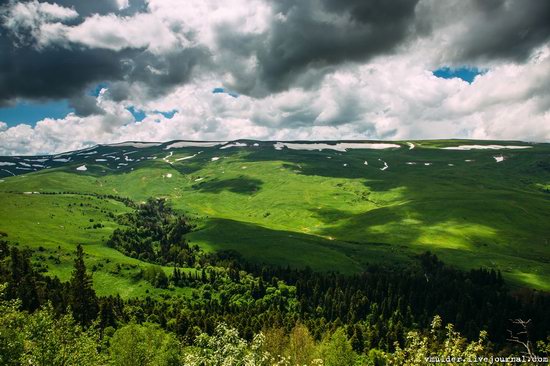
(225,91)
(138,114)
(31,112)
(467,74)
(168,114)
(95,90)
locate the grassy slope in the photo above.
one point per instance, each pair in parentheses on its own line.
(306,207)
(56,223)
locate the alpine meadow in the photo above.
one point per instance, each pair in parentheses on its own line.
(274,183)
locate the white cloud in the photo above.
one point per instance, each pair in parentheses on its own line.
(36,18)
(28,14)
(116,33)
(205,17)
(166,25)
(122,4)
(47,26)
(389,98)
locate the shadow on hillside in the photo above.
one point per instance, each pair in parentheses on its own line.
(289,248)
(241,185)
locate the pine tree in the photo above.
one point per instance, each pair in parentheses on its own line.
(82,297)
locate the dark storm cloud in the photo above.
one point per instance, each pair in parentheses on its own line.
(57,72)
(156,74)
(307,36)
(304,41)
(505,29)
(85,105)
(52,73)
(164,72)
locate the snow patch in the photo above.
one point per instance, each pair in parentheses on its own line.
(215,158)
(234,144)
(82,168)
(62,160)
(186,157)
(100,159)
(198,179)
(386,166)
(411,145)
(486,147)
(4,163)
(499,158)
(137,145)
(168,156)
(38,160)
(366,162)
(341,146)
(179,144)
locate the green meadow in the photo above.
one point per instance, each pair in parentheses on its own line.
(328,209)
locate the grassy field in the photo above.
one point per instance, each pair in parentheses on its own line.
(331,210)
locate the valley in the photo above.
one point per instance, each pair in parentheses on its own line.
(332,205)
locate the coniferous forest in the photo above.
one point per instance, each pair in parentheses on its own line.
(244,313)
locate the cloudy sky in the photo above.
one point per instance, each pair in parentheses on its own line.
(74,73)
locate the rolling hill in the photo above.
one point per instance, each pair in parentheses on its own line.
(330,205)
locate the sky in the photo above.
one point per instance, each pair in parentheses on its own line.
(76,73)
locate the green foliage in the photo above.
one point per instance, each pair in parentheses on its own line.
(145,345)
(226,348)
(11,336)
(336,350)
(51,341)
(154,233)
(44,339)
(301,347)
(155,276)
(439,344)
(544,347)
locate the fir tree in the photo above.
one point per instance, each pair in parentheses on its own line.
(82,297)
